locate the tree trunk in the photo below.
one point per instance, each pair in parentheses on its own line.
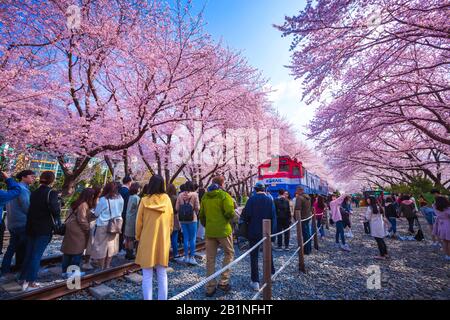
(126,164)
(70,177)
(68,186)
(110,165)
(147,164)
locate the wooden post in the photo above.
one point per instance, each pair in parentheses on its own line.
(316,231)
(301,252)
(267,260)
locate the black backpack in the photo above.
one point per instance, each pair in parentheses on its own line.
(186,212)
(283,208)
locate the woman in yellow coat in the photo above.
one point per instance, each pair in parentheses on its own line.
(154,224)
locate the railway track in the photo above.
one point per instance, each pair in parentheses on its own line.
(50,260)
(60,289)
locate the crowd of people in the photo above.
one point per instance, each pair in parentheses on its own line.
(148,224)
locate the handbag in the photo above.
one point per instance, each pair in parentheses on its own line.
(58,228)
(114,224)
(419,236)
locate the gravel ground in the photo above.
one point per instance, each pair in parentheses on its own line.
(416,271)
(52,248)
(51,274)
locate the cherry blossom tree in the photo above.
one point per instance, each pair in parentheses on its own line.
(99,88)
(379,70)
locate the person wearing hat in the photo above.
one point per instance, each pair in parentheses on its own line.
(257,209)
(216,214)
(17,212)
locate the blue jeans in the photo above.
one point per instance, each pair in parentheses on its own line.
(36,246)
(71,260)
(189,238)
(174,242)
(393,222)
(340,232)
(17,246)
(319,224)
(254,255)
(306,231)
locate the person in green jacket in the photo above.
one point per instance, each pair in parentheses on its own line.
(216,214)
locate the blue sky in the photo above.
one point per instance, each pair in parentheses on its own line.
(246,25)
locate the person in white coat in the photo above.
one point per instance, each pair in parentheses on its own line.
(375,216)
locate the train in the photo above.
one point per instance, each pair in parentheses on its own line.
(284,172)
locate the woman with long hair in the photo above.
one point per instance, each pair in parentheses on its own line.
(154,224)
(87,254)
(319,210)
(187,207)
(106,239)
(336,216)
(375,216)
(77,229)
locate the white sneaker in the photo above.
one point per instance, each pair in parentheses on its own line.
(25,286)
(192,261)
(255,286)
(185,260)
(345,247)
(447,258)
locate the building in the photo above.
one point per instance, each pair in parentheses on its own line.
(41,161)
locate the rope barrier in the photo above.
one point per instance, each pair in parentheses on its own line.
(229,266)
(217,273)
(286,264)
(284,231)
(259,292)
(307,219)
(304,243)
(274,276)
